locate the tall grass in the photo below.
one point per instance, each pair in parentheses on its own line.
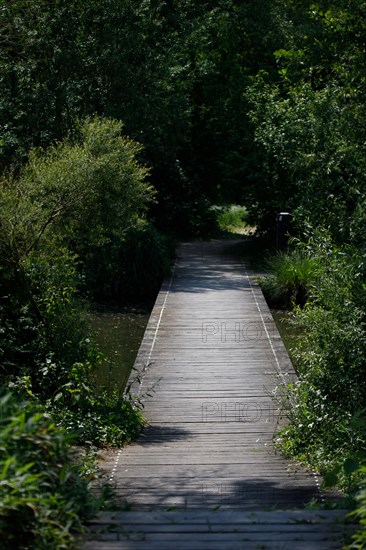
(291,278)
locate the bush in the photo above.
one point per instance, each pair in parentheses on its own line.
(71,210)
(232,217)
(91,191)
(327,429)
(98,418)
(291,279)
(50,357)
(140,262)
(359,537)
(329,417)
(43,499)
(43,324)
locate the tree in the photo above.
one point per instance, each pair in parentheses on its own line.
(66,217)
(309,127)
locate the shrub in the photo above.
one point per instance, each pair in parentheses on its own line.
(140,262)
(292,276)
(43,499)
(359,537)
(98,418)
(43,323)
(232,217)
(70,211)
(92,190)
(329,417)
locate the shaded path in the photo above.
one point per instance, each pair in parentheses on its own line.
(214,358)
(211,362)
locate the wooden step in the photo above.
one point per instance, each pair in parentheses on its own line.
(220,529)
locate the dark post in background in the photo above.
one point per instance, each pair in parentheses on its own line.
(283,227)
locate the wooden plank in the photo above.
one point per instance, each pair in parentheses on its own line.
(210,365)
(229,517)
(191,545)
(221,529)
(209,538)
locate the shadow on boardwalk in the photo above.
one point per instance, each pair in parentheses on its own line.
(214,360)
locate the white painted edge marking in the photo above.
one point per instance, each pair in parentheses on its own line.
(162,311)
(314,473)
(265,327)
(158,324)
(115,465)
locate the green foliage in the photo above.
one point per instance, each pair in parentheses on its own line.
(221,119)
(43,325)
(84,195)
(72,208)
(326,405)
(228,42)
(328,418)
(308,127)
(232,217)
(96,417)
(182,76)
(39,92)
(69,213)
(62,329)
(43,499)
(145,260)
(359,537)
(174,72)
(309,138)
(291,279)
(93,189)
(313,156)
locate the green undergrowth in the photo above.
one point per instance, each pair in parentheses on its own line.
(43,497)
(46,484)
(327,428)
(232,217)
(291,276)
(79,205)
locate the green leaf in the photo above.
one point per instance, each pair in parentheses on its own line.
(350,465)
(330,479)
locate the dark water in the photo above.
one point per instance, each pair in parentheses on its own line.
(118,333)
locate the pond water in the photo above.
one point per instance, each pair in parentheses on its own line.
(118,332)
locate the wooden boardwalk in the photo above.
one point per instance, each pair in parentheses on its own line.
(219,530)
(211,366)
